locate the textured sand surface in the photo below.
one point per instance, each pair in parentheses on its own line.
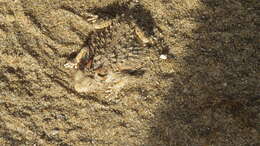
(205,93)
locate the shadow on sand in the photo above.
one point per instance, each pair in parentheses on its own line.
(214,99)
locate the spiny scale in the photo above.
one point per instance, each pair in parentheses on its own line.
(115,45)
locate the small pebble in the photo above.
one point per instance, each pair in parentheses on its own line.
(54,132)
(163,56)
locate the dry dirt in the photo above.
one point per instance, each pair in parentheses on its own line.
(205,94)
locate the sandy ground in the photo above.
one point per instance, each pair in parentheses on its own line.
(205,94)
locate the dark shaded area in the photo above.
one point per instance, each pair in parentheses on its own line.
(136,72)
(72,55)
(215,98)
(128,11)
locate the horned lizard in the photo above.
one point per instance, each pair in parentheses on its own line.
(113,53)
